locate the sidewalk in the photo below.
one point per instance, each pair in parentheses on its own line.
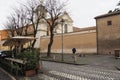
(102,61)
(38,76)
(5,75)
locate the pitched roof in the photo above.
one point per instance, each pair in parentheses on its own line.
(65,14)
(108,14)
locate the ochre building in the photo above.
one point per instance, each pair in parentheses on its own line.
(3,36)
(108,32)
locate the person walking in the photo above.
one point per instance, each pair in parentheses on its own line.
(74,56)
(74,50)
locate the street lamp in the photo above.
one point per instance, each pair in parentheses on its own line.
(62,22)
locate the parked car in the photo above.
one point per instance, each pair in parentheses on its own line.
(4,54)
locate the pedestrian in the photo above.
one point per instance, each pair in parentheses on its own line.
(74,56)
(74,50)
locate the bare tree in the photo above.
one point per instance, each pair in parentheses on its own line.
(16,22)
(10,28)
(118,4)
(29,14)
(49,10)
(34,15)
(54,10)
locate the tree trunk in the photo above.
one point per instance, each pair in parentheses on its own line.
(33,44)
(50,45)
(35,32)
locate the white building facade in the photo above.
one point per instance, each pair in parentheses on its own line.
(67,27)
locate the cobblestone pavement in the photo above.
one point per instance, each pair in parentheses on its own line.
(59,71)
(98,67)
(4,76)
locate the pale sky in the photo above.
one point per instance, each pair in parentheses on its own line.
(81,11)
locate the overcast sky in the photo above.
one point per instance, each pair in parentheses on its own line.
(81,11)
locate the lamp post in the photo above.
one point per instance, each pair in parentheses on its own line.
(62,21)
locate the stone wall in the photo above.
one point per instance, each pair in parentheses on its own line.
(108,35)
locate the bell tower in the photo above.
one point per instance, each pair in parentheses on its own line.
(42,26)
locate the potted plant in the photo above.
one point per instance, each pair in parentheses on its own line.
(32,61)
(30,68)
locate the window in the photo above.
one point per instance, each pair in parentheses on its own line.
(109,23)
(66,28)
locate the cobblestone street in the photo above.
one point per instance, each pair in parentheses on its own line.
(59,71)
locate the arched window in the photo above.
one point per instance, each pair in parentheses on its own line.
(65,28)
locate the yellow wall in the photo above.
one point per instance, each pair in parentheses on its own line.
(3,36)
(84,42)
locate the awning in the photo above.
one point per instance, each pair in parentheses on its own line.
(18,40)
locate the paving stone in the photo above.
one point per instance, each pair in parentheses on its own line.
(73,72)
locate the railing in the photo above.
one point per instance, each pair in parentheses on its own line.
(20,61)
(14,66)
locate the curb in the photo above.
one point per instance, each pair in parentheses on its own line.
(118,68)
(13,78)
(64,62)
